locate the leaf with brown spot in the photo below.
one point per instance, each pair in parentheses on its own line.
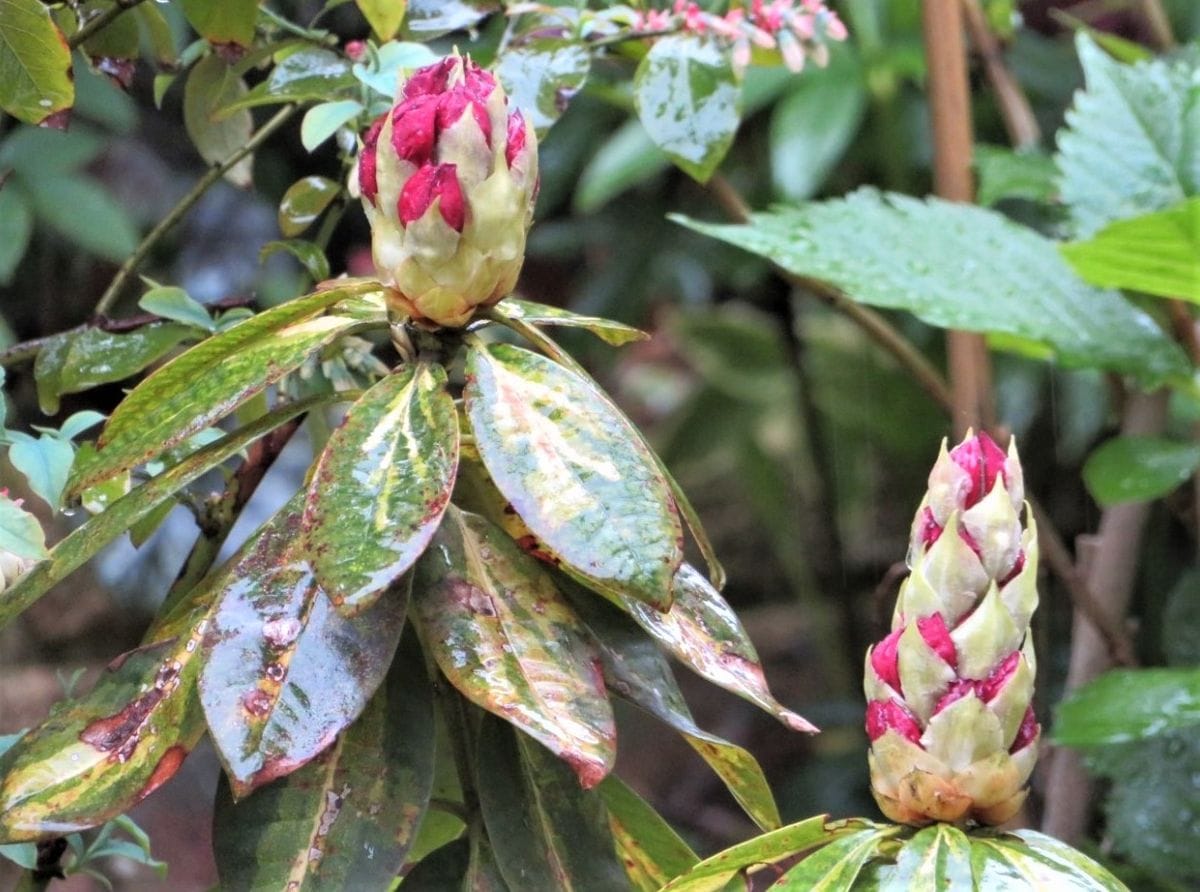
(284,673)
(507,640)
(347,819)
(652,852)
(615,333)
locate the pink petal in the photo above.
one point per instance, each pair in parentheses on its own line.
(891,716)
(983,460)
(989,687)
(958,689)
(516,137)
(1017,567)
(430,80)
(884,659)
(937,636)
(929,529)
(453,104)
(427,184)
(414,129)
(1027,733)
(478,82)
(367,180)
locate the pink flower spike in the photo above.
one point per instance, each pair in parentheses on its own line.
(937,636)
(454,104)
(367,180)
(1027,733)
(885,660)
(430,80)
(516,137)
(989,687)
(432,182)
(414,128)
(981,458)
(891,716)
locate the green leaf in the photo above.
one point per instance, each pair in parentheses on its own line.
(274,645)
(1156,253)
(303,202)
(118,39)
(652,852)
(22,854)
(576,472)
(835,867)
(1006,174)
(740,351)
(85,541)
(545,831)
(1129,704)
(45,461)
(381,485)
(627,158)
(35,63)
(79,423)
(444,868)
(212,85)
(81,211)
(16,226)
(431,18)
(1138,469)
(938,857)
(505,637)
(310,255)
(157,32)
(892,251)
(174,303)
(321,122)
(1129,147)
(541,76)
(35,152)
(392,59)
(689,101)
(815,122)
(206,383)
(384,16)
(1037,861)
(20,534)
(345,820)
(231,21)
(635,668)
(615,333)
(310,74)
(714,873)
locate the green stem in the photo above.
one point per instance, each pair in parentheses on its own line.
(185,204)
(451,704)
(101,21)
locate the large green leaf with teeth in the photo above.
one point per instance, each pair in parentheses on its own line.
(348,818)
(576,472)
(284,672)
(509,642)
(209,381)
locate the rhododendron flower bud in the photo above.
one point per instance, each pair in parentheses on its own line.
(953,735)
(448,179)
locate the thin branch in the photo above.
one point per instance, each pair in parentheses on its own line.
(1019,120)
(627,36)
(1156,19)
(185,204)
(100,21)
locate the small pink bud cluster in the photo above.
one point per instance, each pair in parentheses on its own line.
(798,29)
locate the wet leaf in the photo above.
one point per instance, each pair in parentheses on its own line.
(175,304)
(85,541)
(635,668)
(231,21)
(310,255)
(653,853)
(546,832)
(616,333)
(322,121)
(380,487)
(1129,704)
(1037,861)
(834,867)
(284,673)
(392,59)
(384,16)
(689,101)
(20,534)
(938,857)
(35,63)
(212,85)
(209,381)
(541,76)
(310,74)
(345,820)
(430,18)
(1138,469)
(576,472)
(507,640)
(702,632)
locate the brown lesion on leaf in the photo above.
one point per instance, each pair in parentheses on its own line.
(119,734)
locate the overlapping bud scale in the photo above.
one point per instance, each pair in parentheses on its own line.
(953,734)
(448,178)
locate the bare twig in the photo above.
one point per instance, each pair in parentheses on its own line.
(1156,20)
(100,21)
(1019,121)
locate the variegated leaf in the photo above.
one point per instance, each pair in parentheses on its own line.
(653,853)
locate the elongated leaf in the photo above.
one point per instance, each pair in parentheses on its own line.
(85,541)
(345,820)
(325,119)
(938,857)
(653,853)
(545,831)
(209,381)
(835,867)
(1129,147)
(1155,253)
(689,101)
(284,673)
(505,637)
(303,202)
(381,486)
(1137,469)
(1039,862)
(444,868)
(615,333)
(231,21)
(1127,705)
(541,76)
(483,873)
(702,632)
(35,63)
(713,873)
(576,472)
(174,303)
(899,252)
(635,668)
(212,85)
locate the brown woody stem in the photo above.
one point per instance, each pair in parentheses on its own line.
(1019,121)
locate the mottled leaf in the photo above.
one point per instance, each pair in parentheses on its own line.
(345,820)
(284,673)
(1039,862)
(652,852)
(938,857)
(212,85)
(546,832)
(431,18)
(85,541)
(231,21)
(541,76)
(35,63)
(689,101)
(380,487)
(834,867)
(507,640)
(384,16)
(1129,704)
(1138,469)
(21,535)
(615,333)
(576,472)
(209,381)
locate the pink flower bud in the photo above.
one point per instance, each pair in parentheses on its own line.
(989,687)
(430,80)
(885,659)
(453,105)
(414,128)
(983,460)
(1027,733)
(891,716)
(356,50)
(428,184)
(367,180)
(516,137)
(937,636)
(957,689)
